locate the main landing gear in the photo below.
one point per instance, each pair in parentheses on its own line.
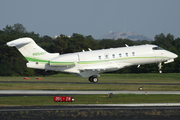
(93,79)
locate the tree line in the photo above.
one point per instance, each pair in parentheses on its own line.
(12,63)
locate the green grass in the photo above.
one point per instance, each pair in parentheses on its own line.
(171,78)
(91,99)
(107,78)
(37,86)
(142,78)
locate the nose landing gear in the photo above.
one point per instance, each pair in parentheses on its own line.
(93,79)
(160,66)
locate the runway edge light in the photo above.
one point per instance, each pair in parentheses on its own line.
(110,95)
(63,99)
(140,88)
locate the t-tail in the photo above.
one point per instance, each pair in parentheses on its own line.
(31,51)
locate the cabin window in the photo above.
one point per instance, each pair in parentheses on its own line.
(106,56)
(126,54)
(120,55)
(99,57)
(113,55)
(133,53)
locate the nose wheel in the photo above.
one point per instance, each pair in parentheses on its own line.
(93,79)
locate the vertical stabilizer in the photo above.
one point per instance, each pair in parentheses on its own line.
(30,50)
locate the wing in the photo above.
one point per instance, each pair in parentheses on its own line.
(95,70)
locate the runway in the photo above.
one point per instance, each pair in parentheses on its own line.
(69,92)
(141,111)
(96,112)
(93,107)
(30,82)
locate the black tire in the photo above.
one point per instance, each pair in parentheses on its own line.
(91,79)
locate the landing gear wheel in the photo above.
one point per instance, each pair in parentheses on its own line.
(160,66)
(93,79)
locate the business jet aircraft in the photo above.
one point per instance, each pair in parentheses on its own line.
(91,63)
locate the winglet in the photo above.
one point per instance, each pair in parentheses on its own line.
(89,49)
(126,45)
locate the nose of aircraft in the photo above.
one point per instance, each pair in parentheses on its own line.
(174,56)
(171,55)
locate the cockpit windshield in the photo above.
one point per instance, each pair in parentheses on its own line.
(157,48)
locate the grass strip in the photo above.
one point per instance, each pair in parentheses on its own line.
(172,78)
(106,78)
(91,99)
(51,86)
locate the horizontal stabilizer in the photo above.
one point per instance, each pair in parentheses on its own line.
(20,41)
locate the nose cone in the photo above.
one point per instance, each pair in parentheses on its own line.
(171,55)
(175,56)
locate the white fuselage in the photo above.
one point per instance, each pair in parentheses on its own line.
(91,63)
(105,59)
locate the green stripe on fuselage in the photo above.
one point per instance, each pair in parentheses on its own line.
(36,60)
(61,63)
(102,61)
(86,62)
(46,61)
